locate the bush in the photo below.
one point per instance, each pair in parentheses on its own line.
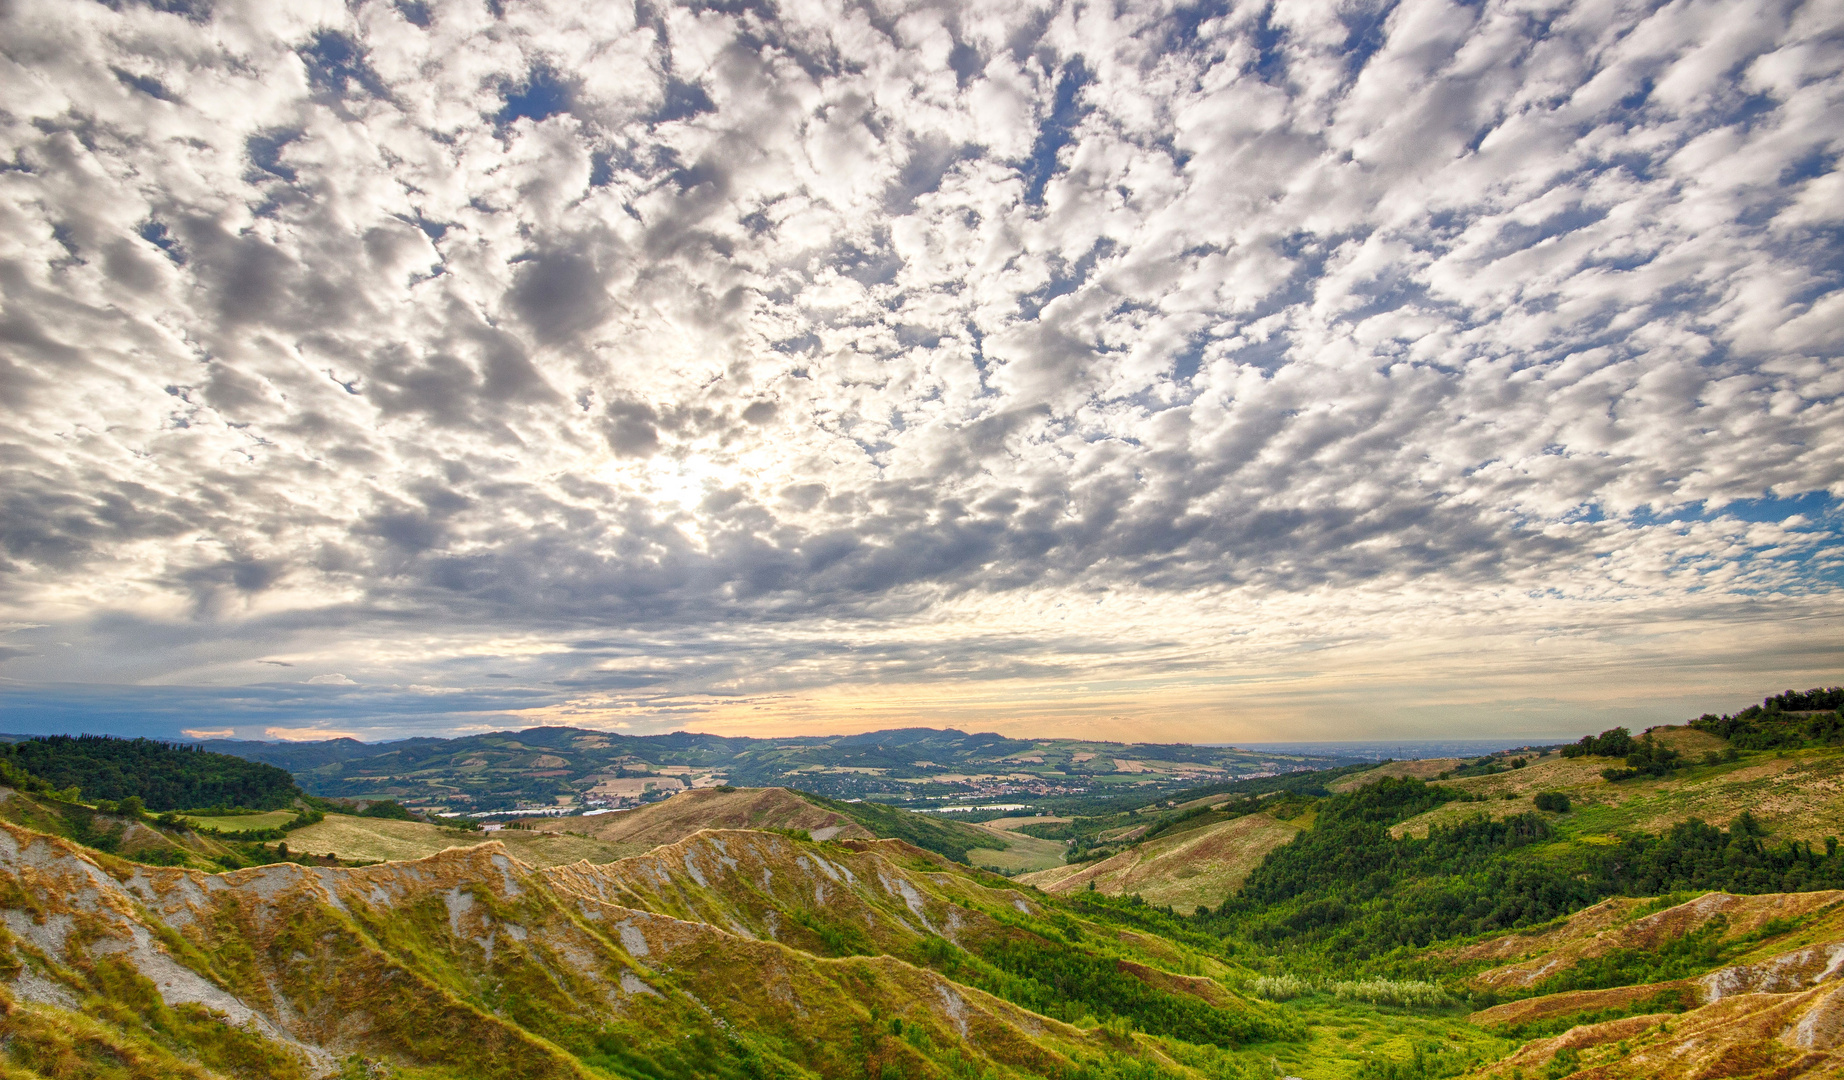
(1402,992)
(1554,802)
(389,809)
(1282,987)
(1614,742)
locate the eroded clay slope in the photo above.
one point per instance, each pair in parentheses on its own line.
(1609,926)
(467,961)
(1779,1012)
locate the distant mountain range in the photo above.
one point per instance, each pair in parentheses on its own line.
(916,767)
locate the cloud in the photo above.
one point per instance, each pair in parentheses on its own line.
(794,350)
(209,733)
(282,734)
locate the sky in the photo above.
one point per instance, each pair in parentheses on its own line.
(1262,371)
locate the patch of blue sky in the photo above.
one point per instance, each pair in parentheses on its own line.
(1815,506)
(1065,278)
(1811,558)
(265,151)
(335,64)
(1270,64)
(1056,131)
(542,96)
(1364,33)
(682,101)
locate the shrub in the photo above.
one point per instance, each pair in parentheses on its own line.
(1282,987)
(1403,992)
(388,809)
(1554,802)
(1614,742)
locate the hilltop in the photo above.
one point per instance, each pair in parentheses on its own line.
(164,776)
(666,822)
(645,828)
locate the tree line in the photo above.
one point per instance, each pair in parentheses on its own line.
(163,775)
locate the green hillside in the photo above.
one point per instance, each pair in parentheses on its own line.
(1660,906)
(944,837)
(164,776)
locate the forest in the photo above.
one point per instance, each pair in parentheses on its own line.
(164,776)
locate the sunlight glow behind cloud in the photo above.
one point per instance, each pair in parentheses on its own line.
(1216,372)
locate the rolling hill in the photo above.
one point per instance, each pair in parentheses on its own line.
(671,820)
(553,766)
(862,955)
(1185,870)
(644,828)
(1676,913)
(349,838)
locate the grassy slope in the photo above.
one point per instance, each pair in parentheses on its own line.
(1419,769)
(731,954)
(362,839)
(131,839)
(1756,926)
(954,839)
(1186,870)
(273,819)
(1798,795)
(631,832)
(1021,854)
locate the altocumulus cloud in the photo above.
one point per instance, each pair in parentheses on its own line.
(822,363)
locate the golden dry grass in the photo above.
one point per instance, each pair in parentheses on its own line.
(381,840)
(1008,823)
(1512,1013)
(274,819)
(1611,925)
(1454,813)
(1799,796)
(1688,741)
(1189,870)
(1423,769)
(632,832)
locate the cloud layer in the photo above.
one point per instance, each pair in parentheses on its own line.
(424,364)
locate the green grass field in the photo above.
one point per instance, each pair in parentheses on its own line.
(274,819)
(1026,853)
(1343,1038)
